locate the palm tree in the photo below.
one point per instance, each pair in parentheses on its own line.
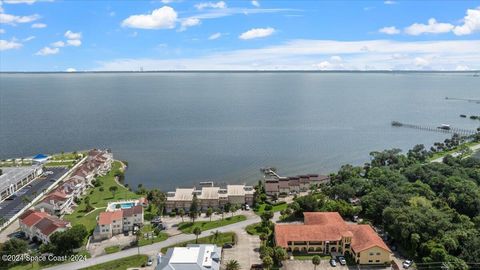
(113,190)
(232,265)
(315,261)
(181,213)
(197,231)
(215,235)
(267,262)
(263,237)
(209,213)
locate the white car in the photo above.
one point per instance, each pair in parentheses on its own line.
(247,207)
(150,262)
(406,264)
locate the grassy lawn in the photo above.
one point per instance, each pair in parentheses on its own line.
(99,199)
(456,149)
(222,238)
(121,264)
(67,156)
(255,229)
(147,229)
(60,163)
(187,227)
(276,208)
(112,249)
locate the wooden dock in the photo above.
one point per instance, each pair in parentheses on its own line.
(459,131)
(464,99)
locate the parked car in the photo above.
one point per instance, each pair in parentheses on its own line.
(48,172)
(247,207)
(406,264)
(342,260)
(256,266)
(228,245)
(333,262)
(150,262)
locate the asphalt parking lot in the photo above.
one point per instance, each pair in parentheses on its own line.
(9,208)
(325,265)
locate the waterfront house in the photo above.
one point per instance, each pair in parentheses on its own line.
(276,185)
(191,257)
(56,203)
(327,232)
(209,196)
(40,225)
(118,221)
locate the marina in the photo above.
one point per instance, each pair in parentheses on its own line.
(444,128)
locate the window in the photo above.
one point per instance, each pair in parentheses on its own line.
(377,261)
(370,261)
(371,254)
(378,253)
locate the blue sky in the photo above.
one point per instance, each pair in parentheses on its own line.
(56,35)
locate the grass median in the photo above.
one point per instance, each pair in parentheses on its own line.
(218,239)
(187,227)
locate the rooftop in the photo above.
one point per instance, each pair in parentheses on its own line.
(192,257)
(328,226)
(13,175)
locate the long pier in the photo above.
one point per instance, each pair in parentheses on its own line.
(464,99)
(459,131)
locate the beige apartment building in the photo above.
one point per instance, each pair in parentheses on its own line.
(209,196)
(278,185)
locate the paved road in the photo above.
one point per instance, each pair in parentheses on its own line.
(154,248)
(473,148)
(9,208)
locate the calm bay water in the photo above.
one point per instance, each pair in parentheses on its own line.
(176,129)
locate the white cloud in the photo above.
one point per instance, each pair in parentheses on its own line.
(306,54)
(389,2)
(72,35)
(257,33)
(462,68)
(47,51)
(9,45)
(74,42)
(162,18)
(2,31)
(336,58)
(255,3)
(389,30)
(324,65)
(19,1)
(188,22)
(215,36)
(28,38)
(39,25)
(71,70)
(471,23)
(219,4)
(13,19)
(433,27)
(421,62)
(58,44)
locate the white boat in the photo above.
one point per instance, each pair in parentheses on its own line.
(444,126)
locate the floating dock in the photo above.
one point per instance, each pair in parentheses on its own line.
(464,99)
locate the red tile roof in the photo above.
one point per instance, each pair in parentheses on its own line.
(328,226)
(33,218)
(50,224)
(106,218)
(138,209)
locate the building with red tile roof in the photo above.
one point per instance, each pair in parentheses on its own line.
(115,222)
(41,225)
(326,232)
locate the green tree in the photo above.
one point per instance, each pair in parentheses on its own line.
(181,213)
(267,262)
(232,265)
(197,231)
(13,246)
(315,261)
(280,255)
(113,190)
(194,208)
(209,213)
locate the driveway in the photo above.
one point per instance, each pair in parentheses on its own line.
(98,248)
(245,252)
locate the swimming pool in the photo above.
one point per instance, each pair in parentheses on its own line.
(127,205)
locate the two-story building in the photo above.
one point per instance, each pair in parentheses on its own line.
(40,225)
(327,232)
(115,222)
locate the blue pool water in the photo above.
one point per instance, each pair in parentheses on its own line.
(127,205)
